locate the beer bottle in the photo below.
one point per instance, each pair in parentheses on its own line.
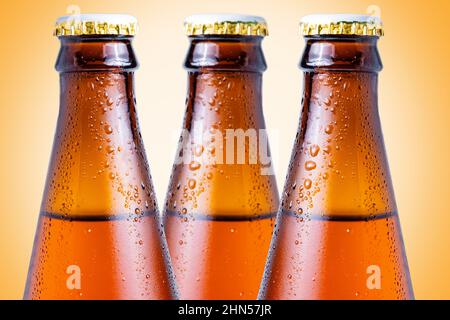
(99,235)
(222,197)
(338,233)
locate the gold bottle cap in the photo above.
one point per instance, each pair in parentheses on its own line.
(96,24)
(341,24)
(225,24)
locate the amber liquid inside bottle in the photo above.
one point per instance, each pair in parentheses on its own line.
(219,215)
(338,234)
(99,234)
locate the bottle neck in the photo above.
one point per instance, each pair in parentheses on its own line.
(226,100)
(342,71)
(95,72)
(344,53)
(87,54)
(225,53)
(225,81)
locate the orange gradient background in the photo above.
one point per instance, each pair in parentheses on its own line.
(414,105)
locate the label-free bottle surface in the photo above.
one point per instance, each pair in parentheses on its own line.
(99,234)
(221,203)
(338,234)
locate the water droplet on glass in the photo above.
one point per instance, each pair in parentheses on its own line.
(327,149)
(310,165)
(194,165)
(192,183)
(314,150)
(108,129)
(212,150)
(307,184)
(329,129)
(198,150)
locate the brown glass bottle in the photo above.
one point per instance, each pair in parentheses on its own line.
(338,234)
(99,234)
(219,213)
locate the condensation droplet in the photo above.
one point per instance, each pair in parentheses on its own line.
(108,129)
(310,165)
(307,184)
(314,150)
(194,165)
(212,150)
(192,183)
(198,150)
